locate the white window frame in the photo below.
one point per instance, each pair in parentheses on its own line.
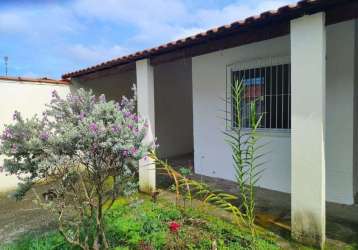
(245,65)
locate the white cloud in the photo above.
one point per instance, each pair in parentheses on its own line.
(12,22)
(186,32)
(154,21)
(214,17)
(95,54)
(140,12)
(39,22)
(272,4)
(239,10)
(160,20)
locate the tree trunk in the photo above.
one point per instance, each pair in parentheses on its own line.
(100,241)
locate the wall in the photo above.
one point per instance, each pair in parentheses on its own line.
(29,99)
(173,108)
(339,112)
(114,86)
(213,157)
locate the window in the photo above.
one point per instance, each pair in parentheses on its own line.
(266,83)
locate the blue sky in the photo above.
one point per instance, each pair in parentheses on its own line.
(50,38)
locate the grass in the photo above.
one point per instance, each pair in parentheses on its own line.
(138,223)
(46,241)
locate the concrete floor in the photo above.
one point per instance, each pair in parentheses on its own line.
(274,208)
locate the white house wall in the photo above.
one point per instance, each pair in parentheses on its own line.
(212,155)
(340,112)
(173,108)
(27,98)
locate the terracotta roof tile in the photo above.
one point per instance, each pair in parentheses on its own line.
(34,80)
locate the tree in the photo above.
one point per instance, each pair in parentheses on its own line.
(86,149)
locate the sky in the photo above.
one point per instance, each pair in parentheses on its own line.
(47,38)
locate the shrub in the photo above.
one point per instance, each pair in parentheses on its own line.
(87,149)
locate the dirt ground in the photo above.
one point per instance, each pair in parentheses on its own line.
(19,217)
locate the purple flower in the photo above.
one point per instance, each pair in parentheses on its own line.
(130,126)
(82,116)
(135,118)
(55,94)
(127,114)
(93,127)
(8,134)
(125,153)
(133,151)
(115,128)
(44,136)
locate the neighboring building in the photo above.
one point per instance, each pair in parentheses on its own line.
(301,60)
(29,96)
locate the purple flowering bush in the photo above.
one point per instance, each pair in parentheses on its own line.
(87,149)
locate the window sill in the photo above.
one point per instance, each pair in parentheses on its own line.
(275,132)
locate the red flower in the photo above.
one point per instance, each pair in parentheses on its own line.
(174,227)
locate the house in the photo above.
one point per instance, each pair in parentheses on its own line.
(300,60)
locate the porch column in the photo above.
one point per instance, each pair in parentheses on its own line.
(145,94)
(308,63)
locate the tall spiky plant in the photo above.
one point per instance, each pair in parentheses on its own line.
(244,145)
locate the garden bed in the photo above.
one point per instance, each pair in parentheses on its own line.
(138,223)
